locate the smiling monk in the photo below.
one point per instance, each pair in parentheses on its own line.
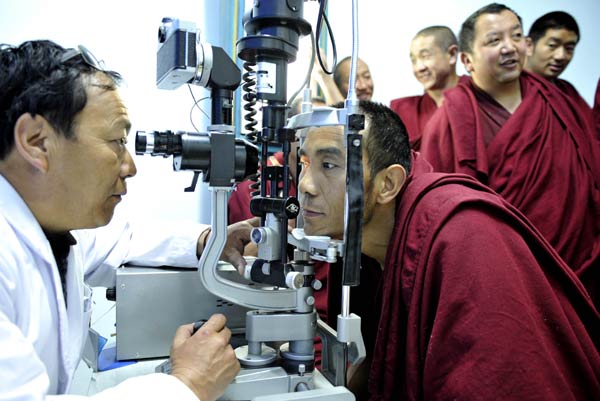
(518,133)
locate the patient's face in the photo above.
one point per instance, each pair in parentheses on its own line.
(323,182)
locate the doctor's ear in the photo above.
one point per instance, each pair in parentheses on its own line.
(31,140)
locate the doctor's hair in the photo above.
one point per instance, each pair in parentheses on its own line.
(444,37)
(38,78)
(553,20)
(467,30)
(386,140)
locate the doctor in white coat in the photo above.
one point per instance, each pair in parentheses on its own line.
(63,167)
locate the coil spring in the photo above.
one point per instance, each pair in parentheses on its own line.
(255,186)
(250,111)
(250,97)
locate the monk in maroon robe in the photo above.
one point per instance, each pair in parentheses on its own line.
(433,54)
(473,303)
(553,38)
(536,149)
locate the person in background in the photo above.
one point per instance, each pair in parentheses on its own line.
(519,134)
(551,46)
(433,54)
(64,167)
(335,89)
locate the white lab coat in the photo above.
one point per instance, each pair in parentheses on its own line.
(41,341)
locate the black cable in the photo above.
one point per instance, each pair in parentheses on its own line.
(333,46)
(320,18)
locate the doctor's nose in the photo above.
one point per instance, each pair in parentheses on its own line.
(128,168)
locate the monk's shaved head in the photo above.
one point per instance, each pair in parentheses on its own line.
(444,37)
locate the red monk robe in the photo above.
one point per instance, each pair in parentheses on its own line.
(543,159)
(596,111)
(476,305)
(415,112)
(578,102)
(569,90)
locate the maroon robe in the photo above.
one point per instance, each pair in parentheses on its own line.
(543,159)
(578,102)
(596,111)
(569,90)
(415,112)
(476,305)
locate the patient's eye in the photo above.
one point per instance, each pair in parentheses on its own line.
(304,162)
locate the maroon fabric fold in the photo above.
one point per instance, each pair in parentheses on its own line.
(476,305)
(578,103)
(545,160)
(596,111)
(415,112)
(568,89)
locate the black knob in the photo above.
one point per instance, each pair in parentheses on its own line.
(111,294)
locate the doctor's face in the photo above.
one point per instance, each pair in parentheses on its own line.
(90,169)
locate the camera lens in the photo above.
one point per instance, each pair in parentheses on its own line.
(140,142)
(158,143)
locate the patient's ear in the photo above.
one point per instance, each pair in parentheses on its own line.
(389,182)
(31,140)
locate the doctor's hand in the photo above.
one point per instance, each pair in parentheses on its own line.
(204,361)
(238,236)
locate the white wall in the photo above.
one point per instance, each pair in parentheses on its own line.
(123,33)
(387,27)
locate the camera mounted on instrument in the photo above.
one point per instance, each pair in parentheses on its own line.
(183,59)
